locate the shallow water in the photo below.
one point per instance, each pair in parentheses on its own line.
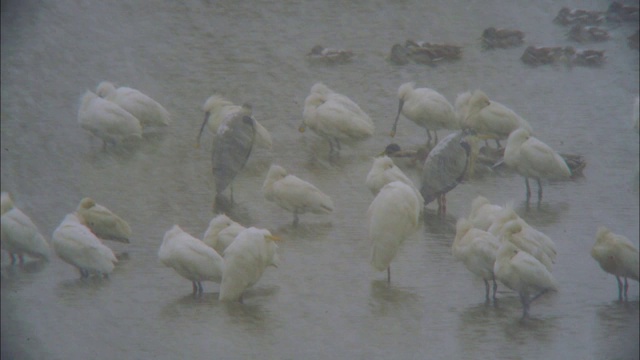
(325,300)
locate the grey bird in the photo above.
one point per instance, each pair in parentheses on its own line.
(234,141)
(444,168)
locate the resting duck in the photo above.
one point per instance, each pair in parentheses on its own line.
(398,55)
(620,12)
(542,55)
(501,38)
(585,57)
(581,33)
(428,53)
(568,16)
(329,55)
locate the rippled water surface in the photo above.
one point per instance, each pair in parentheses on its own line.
(325,300)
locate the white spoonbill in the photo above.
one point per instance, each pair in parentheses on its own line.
(148,111)
(489,119)
(515,233)
(191,258)
(425,107)
(523,273)
(20,236)
(217,108)
(394,215)
(477,250)
(294,194)
(76,245)
(246,259)
(103,222)
(335,117)
(107,120)
(617,256)
(384,171)
(221,232)
(483,212)
(444,168)
(531,157)
(234,142)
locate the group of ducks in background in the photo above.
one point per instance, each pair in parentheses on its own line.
(494,243)
(585,28)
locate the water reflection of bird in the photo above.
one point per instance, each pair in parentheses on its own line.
(233,145)
(107,120)
(217,108)
(329,55)
(335,117)
(76,245)
(617,256)
(501,38)
(477,250)
(148,111)
(20,236)
(191,258)
(221,232)
(488,119)
(425,107)
(444,168)
(393,216)
(522,273)
(246,259)
(294,194)
(384,171)
(531,157)
(103,222)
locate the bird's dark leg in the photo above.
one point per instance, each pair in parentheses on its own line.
(200,289)
(195,287)
(526,181)
(626,287)
(498,143)
(619,288)
(428,137)
(13,258)
(524,299)
(389,274)
(539,189)
(495,288)
(487,291)
(231,191)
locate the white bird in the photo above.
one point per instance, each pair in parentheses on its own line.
(531,157)
(148,111)
(221,232)
(489,119)
(477,250)
(617,256)
(335,117)
(75,244)
(483,213)
(216,108)
(394,215)
(107,120)
(103,222)
(294,194)
(522,273)
(425,107)
(515,233)
(246,259)
(234,143)
(20,236)
(384,171)
(191,258)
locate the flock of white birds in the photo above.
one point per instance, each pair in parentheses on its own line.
(494,243)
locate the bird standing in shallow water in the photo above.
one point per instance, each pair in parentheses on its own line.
(617,256)
(148,111)
(394,215)
(20,236)
(427,108)
(294,194)
(531,157)
(233,145)
(191,258)
(221,232)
